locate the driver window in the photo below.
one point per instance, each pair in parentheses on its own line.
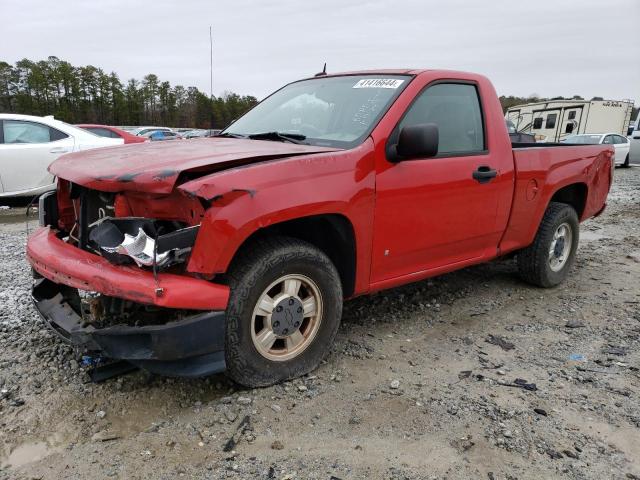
(455,109)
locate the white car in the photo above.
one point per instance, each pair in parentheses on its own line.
(620,144)
(28,145)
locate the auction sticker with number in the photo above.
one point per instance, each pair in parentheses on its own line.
(378,83)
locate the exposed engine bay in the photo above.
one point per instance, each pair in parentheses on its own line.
(146,242)
(112,225)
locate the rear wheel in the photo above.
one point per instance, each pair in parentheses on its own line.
(284,311)
(547,261)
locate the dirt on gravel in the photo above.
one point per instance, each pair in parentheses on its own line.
(474,374)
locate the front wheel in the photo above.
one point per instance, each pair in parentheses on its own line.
(283,313)
(626,162)
(547,261)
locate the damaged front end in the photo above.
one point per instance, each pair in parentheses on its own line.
(110,279)
(125,228)
(166,342)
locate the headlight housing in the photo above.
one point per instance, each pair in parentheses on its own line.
(146,242)
(141,248)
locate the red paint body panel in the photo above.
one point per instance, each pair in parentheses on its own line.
(126,136)
(341,182)
(445,216)
(552,169)
(154,167)
(175,206)
(63,263)
(410,220)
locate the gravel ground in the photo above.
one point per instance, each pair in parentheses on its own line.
(470,375)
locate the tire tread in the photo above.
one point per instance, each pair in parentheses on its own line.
(532,260)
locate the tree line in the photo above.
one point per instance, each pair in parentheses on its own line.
(87,94)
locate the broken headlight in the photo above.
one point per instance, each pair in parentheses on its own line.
(146,242)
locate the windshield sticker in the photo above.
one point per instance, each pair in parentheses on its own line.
(379,83)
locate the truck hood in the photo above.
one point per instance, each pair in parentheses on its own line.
(155,167)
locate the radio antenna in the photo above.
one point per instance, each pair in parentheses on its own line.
(212,122)
(323,72)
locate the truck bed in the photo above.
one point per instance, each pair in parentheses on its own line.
(541,171)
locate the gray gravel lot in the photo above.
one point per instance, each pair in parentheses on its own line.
(470,375)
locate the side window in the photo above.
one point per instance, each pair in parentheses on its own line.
(569,128)
(621,139)
(572,115)
(455,109)
(56,134)
(551,121)
(18,131)
(608,139)
(537,123)
(103,132)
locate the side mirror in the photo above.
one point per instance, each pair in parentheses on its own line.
(417,141)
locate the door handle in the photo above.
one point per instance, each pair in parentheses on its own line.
(59,150)
(484,174)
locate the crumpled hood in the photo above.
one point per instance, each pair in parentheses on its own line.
(154,167)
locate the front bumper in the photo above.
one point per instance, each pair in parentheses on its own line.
(190,347)
(63,263)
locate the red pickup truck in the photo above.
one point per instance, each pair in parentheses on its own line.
(235,253)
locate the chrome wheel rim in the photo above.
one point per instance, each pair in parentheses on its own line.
(560,248)
(286,317)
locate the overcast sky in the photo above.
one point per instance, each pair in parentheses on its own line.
(548,47)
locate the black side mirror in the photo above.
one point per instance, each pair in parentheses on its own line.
(417,141)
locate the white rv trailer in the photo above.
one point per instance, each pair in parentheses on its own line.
(553,120)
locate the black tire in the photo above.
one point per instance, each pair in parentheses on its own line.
(626,162)
(262,263)
(533,261)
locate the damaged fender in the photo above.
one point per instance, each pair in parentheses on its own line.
(245,200)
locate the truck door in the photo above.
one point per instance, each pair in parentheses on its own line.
(435,212)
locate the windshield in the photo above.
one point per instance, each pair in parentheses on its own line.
(327,111)
(583,139)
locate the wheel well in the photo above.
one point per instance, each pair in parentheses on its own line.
(332,233)
(574,195)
